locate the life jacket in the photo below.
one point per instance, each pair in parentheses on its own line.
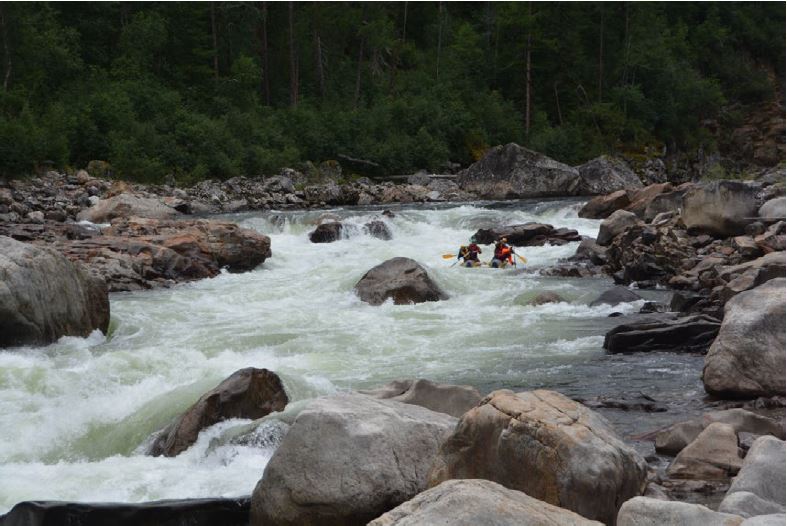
(503,252)
(472,252)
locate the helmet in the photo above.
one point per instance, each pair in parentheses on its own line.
(504,240)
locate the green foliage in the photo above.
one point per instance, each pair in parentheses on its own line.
(153,91)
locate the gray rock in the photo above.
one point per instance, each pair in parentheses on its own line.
(615,296)
(668,202)
(548,446)
(776,519)
(590,250)
(454,400)
(420,178)
(542,298)
(748,357)
(512,171)
(602,206)
(712,455)
(686,334)
(476,502)
(605,174)
(644,511)
(247,393)
(44,296)
(401,279)
(278,183)
(127,205)
(721,208)
(672,440)
(762,477)
(347,459)
(614,225)
(378,229)
(327,232)
(773,210)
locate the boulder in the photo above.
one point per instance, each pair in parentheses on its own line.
(774,519)
(527,235)
(548,446)
(378,229)
(773,210)
(672,440)
(591,251)
(667,202)
(420,178)
(686,334)
(279,183)
(511,171)
(327,232)
(346,460)
(475,502)
(747,359)
(454,400)
(644,511)
(44,296)
(602,206)
(401,279)
(247,393)
(712,455)
(542,298)
(614,225)
(605,174)
(721,208)
(126,205)
(759,487)
(641,198)
(615,296)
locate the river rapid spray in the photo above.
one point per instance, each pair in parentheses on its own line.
(75,416)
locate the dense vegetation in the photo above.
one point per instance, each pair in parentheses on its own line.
(217,89)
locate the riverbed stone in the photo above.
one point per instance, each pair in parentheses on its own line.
(759,488)
(454,400)
(644,511)
(327,232)
(747,359)
(602,206)
(773,210)
(348,459)
(126,205)
(44,296)
(615,296)
(617,223)
(475,502)
(712,455)
(247,393)
(720,208)
(527,235)
(548,446)
(685,334)
(774,519)
(401,279)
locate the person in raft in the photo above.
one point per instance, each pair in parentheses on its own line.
(469,255)
(503,254)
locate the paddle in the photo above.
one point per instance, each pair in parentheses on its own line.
(449,256)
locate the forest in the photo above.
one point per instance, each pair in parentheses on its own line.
(219,89)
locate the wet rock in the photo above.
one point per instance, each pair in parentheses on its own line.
(602,206)
(44,296)
(712,455)
(759,487)
(124,206)
(773,210)
(651,307)
(686,334)
(454,400)
(605,174)
(615,296)
(615,225)
(721,208)
(378,229)
(478,502)
(641,402)
(547,446)
(327,232)
(644,511)
(368,456)
(247,393)
(191,512)
(401,279)
(748,357)
(589,250)
(527,235)
(512,171)
(542,298)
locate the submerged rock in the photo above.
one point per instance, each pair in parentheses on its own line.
(454,400)
(477,502)
(548,446)
(346,460)
(247,393)
(378,229)
(44,296)
(615,296)
(401,279)
(687,334)
(327,232)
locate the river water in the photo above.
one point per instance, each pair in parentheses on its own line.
(75,415)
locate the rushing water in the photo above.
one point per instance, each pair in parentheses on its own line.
(75,416)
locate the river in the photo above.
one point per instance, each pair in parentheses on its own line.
(75,415)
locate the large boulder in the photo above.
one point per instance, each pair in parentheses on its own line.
(127,205)
(747,359)
(401,279)
(527,235)
(454,400)
(327,232)
(475,502)
(687,334)
(641,198)
(712,455)
(548,446)
(721,208)
(773,209)
(346,460)
(605,174)
(247,393)
(645,511)
(759,487)
(44,296)
(615,296)
(617,223)
(511,171)
(602,206)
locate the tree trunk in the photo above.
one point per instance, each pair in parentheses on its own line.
(528,68)
(557,103)
(357,96)
(293,59)
(395,59)
(404,24)
(265,85)
(601,55)
(215,41)
(6,49)
(439,35)
(319,71)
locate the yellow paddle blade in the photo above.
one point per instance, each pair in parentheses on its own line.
(449,256)
(524,260)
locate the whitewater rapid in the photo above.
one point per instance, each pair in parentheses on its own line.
(75,415)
